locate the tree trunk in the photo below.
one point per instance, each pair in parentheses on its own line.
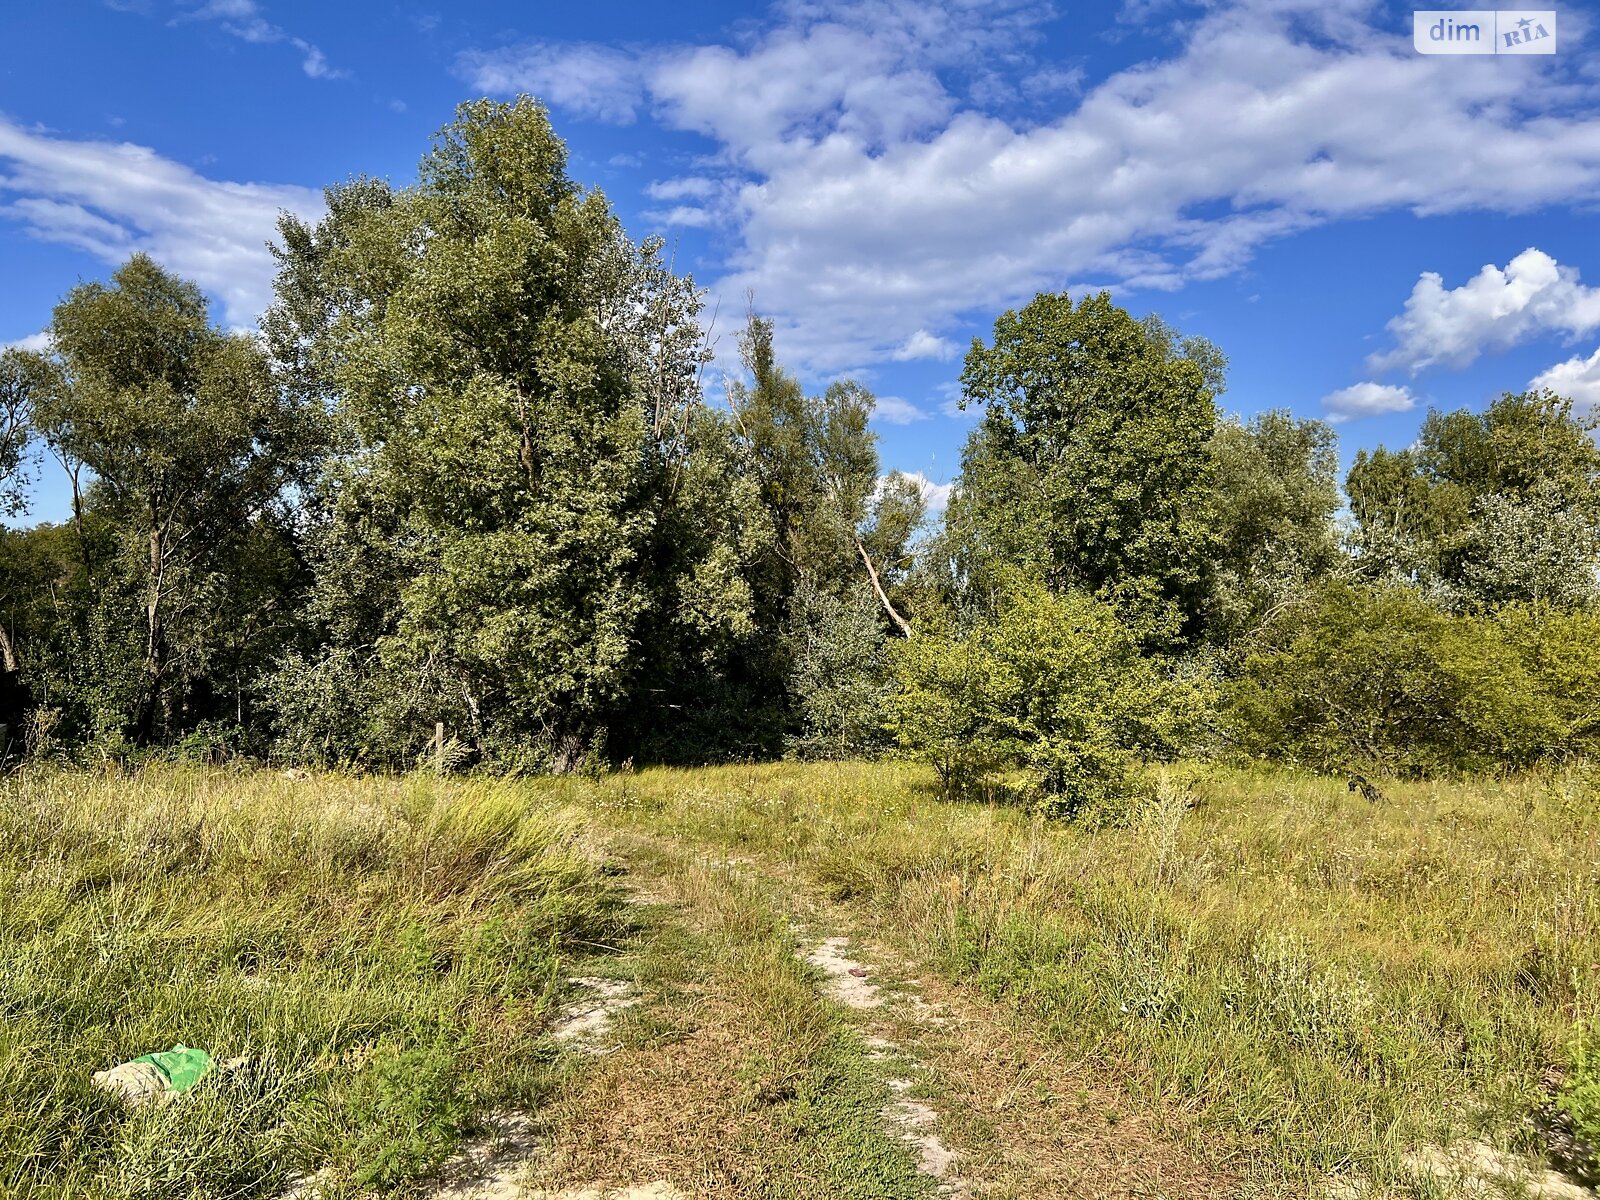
(872,573)
(155,638)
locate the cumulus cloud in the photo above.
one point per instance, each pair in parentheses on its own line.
(243,19)
(1578,379)
(896,411)
(1494,310)
(37,342)
(935,495)
(923,344)
(586,80)
(110,199)
(875,193)
(1367,400)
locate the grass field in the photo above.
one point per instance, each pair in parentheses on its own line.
(388,947)
(1278,986)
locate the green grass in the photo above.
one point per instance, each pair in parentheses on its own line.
(1331,983)
(1326,984)
(376,944)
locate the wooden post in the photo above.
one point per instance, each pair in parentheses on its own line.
(438,747)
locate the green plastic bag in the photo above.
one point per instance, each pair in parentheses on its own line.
(183,1066)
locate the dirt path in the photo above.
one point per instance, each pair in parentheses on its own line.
(753,1041)
(704,1061)
(780,1049)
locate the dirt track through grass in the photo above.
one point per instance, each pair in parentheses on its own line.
(732,1074)
(947,1094)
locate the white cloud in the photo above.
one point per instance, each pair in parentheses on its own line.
(687,187)
(935,495)
(896,411)
(243,19)
(588,80)
(37,342)
(875,194)
(1578,379)
(1494,310)
(313,61)
(687,216)
(110,199)
(923,344)
(1367,400)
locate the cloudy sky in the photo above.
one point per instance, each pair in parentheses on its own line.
(1365,231)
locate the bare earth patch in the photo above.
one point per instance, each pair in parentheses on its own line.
(847,979)
(1478,1169)
(490,1167)
(585,1023)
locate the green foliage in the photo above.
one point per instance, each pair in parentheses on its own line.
(1275,491)
(841,675)
(516,383)
(1091,465)
(1560,650)
(1486,508)
(23,377)
(1381,679)
(469,478)
(404,1113)
(1579,1099)
(1053,685)
(186,576)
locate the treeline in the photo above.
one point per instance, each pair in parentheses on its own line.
(468,477)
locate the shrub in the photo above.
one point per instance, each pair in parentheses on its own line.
(1052,685)
(1560,650)
(1383,680)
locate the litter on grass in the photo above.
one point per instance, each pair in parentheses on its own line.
(152,1078)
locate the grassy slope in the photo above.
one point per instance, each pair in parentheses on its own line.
(1329,983)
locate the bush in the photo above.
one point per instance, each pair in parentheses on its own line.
(1382,680)
(1561,652)
(1055,686)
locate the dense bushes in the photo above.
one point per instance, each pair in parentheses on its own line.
(1382,679)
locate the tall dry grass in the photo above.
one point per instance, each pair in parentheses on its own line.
(1331,983)
(383,949)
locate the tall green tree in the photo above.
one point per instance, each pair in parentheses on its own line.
(1091,465)
(1486,508)
(839,553)
(1275,493)
(193,449)
(502,544)
(21,376)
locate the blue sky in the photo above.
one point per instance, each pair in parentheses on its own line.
(1364,230)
